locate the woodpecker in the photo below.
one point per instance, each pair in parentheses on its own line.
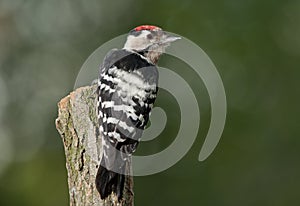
(127,89)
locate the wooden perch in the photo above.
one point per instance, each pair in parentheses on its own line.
(78,126)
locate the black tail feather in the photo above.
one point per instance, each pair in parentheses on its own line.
(108,182)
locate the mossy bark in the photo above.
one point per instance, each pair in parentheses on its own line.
(78,126)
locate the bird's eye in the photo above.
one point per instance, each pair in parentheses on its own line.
(149,36)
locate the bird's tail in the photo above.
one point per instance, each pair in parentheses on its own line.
(108,181)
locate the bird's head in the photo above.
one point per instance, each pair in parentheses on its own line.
(149,41)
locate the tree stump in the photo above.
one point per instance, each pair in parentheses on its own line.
(78,126)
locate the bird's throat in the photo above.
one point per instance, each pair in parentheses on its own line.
(152,56)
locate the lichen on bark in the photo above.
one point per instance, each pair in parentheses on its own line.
(78,126)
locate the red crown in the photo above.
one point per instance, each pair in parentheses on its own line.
(146,27)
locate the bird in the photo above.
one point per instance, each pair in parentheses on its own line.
(126,91)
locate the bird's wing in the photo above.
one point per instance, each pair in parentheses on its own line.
(127,91)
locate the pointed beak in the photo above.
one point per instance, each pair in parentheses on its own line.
(168,38)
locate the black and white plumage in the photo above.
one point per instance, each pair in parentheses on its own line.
(127,89)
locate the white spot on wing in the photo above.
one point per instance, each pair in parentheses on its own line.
(107,104)
(105,87)
(122,124)
(116,135)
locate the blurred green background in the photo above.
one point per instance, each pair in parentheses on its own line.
(254,44)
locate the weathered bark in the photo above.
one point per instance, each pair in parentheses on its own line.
(78,127)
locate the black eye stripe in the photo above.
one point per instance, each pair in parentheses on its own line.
(150,36)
